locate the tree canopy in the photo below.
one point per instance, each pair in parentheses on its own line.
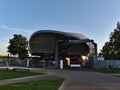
(111,49)
(18,46)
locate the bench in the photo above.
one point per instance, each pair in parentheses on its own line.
(75,65)
(4,68)
(20,69)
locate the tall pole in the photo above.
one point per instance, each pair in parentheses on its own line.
(8,59)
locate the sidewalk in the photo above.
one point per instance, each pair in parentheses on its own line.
(74,79)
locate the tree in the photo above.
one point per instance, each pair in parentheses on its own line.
(111,49)
(18,46)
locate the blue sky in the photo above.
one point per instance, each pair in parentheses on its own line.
(93,18)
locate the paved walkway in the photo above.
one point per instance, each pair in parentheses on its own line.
(74,79)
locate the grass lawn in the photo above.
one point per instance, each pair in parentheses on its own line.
(7,74)
(34,85)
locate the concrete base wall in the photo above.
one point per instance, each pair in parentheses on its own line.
(106,63)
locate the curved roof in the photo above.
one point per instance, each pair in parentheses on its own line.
(67,34)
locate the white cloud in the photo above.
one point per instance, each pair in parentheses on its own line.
(14,29)
(60,25)
(4,39)
(3,49)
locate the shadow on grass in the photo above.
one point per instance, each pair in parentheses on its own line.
(34,85)
(7,74)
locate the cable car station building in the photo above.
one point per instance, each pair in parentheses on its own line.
(58,45)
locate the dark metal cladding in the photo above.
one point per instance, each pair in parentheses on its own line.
(43,41)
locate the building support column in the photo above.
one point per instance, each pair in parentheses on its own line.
(56,54)
(95,51)
(95,58)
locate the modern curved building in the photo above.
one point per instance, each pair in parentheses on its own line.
(61,45)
